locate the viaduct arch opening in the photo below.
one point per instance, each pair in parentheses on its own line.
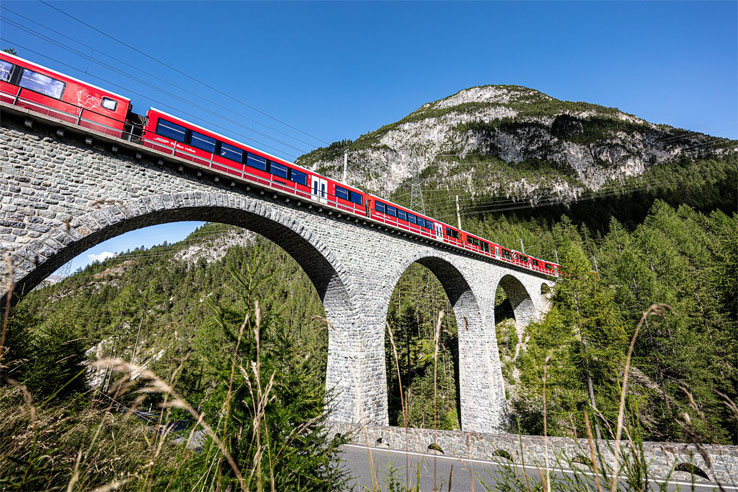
(512,301)
(306,249)
(443,288)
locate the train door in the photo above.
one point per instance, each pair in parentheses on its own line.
(497,251)
(439,231)
(320,189)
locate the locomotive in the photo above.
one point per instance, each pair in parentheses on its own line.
(39,89)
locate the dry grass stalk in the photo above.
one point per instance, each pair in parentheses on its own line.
(27,398)
(75,473)
(658,310)
(436,340)
(156,385)
(592,456)
(545,425)
(728,402)
(471,465)
(163,435)
(112,486)
(6,316)
(402,404)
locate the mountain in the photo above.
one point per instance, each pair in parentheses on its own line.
(511,141)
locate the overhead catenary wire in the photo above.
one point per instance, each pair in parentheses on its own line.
(154,87)
(154,76)
(159,102)
(184,74)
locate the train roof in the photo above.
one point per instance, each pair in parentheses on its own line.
(65,75)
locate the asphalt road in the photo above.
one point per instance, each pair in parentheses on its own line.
(460,473)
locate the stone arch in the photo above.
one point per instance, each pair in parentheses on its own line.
(545,289)
(40,258)
(350,401)
(520,299)
(481,392)
(458,290)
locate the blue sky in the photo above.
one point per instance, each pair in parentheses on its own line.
(338,70)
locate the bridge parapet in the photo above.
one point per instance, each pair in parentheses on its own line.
(507,449)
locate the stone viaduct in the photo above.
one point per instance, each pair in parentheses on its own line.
(64,191)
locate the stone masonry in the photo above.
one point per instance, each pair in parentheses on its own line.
(714,463)
(62,194)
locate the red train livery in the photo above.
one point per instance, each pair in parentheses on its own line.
(39,89)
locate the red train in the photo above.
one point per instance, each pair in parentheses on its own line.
(39,89)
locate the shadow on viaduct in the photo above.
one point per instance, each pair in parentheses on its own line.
(63,195)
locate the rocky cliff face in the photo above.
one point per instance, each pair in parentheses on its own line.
(512,141)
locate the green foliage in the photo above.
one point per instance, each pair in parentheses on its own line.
(677,256)
(268,395)
(413,314)
(193,341)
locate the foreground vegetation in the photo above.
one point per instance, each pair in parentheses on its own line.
(253,417)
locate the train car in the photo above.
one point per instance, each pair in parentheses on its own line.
(390,213)
(42,90)
(181,138)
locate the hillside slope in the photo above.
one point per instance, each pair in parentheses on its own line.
(513,141)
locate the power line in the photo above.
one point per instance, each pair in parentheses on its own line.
(162,103)
(149,74)
(184,74)
(146,83)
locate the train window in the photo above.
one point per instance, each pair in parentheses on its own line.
(202,142)
(401,214)
(298,177)
(231,152)
(429,225)
(256,162)
(412,219)
(421,222)
(108,103)
(42,83)
(379,207)
(472,240)
(391,211)
(548,266)
(342,193)
(357,198)
(506,254)
(5,69)
(485,247)
(452,233)
(524,259)
(535,263)
(168,129)
(278,169)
